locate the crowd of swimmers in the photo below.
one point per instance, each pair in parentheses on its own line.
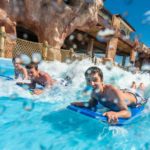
(117,100)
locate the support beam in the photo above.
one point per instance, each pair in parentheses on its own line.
(111,48)
(113,42)
(124,61)
(45,50)
(90,48)
(2,41)
(132,56)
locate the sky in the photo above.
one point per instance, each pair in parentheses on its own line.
(136,12)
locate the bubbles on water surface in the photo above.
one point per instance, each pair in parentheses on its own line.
(68,61)
(2,109)
(18,60)
(145,67)
(127,101)
(106,32)
(115,101)
(103,134)
(97,90)
(13,96)
(25,36)
(103,99)
(28,105)
(75,46)
(25,59)
(132,69)
(13,37)
(71,37)
(109,65)
(89,71)
(118,131)
(36,57)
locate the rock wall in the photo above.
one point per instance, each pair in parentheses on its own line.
(51,20)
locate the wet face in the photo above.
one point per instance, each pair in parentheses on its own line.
(33,73)
(95,81)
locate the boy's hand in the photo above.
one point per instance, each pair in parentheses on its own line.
(37,91)
(112,117)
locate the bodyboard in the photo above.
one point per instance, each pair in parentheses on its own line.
(135,112)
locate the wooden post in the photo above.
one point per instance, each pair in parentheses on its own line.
(2,41)
(90,48)
(45,50)
(124,61)
(95,61)
(113,42)
(71,53)
(132,56)
(111,48)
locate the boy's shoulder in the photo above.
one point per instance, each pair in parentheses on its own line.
(111,87)
(43,73)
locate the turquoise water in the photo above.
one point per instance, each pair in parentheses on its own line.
(43,122)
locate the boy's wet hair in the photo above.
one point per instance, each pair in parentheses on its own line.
(133,82)
(13,59)
(30,66)
(93,70)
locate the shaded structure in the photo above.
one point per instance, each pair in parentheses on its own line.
(108,38)
(143,60)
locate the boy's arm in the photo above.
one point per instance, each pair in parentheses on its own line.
(123,111)
(124,114)
(49,81)
(91,103)
(25,73)
(113,116)
(16,74)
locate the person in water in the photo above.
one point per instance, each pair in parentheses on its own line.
(39,77)
(109,96)
(141,88)
(133,86)
(20,70)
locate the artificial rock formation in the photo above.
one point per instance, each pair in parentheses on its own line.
(50,20)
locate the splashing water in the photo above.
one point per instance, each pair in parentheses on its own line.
(46,119)
(36,57)
(145,67)
(25,59)
(106,32)
(71,37)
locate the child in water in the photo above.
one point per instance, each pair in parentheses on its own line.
(20,71)
(133,86)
